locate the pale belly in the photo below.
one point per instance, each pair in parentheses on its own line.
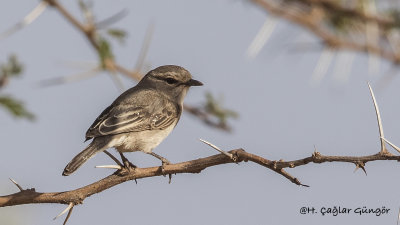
(144,141)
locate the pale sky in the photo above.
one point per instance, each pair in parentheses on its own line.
(282,116)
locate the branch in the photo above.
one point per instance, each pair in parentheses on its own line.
(318,17)
(90,32)
(77,196)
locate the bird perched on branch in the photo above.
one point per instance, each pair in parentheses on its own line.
(140,118)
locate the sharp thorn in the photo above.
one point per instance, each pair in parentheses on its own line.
(118,167)
(71,204)
(218,149)
(16,184)
(391,144)
(378,118)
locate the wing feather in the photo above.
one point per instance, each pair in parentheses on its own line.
(117,120)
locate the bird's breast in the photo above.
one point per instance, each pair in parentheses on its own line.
(144,141)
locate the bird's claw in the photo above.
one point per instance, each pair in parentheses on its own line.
(165,162)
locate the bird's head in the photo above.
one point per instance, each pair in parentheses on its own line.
(173,80)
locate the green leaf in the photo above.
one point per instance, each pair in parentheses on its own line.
(16,108)
(105,51)
(118,34)
(214,107)
(12,68)
(395,15)
(339,22)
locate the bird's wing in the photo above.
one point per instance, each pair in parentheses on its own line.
(122,119)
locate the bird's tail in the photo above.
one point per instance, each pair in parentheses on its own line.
(93,148)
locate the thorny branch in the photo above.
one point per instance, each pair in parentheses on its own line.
(123,174)
(308,13)
(341,24)
(77,196)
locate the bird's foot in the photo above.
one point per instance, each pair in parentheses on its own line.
(128,165)
(165,162)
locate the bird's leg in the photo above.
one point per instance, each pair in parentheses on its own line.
(126,162)
(164,162)
(113,158)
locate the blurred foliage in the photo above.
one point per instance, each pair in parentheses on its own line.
(118,34)
(12,68)
(395,15)
(104,51)
(86,8)
(104,48)
(215,107)
(15,107)
(339,22)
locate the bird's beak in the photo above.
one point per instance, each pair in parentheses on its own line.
(193,82)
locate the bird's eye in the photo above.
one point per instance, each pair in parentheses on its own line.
(171,81)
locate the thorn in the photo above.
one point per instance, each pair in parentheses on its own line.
(327,55)
(360,165)
(70,206)
(218,149)
(28,19)
(70,78)
(316,154)
(275,165)
(365,171)
(118,167)
(117,80)
(343,65)
(16,184)
(398,217)
(169,177)
(112,19)
(378,117)
(145,48)
(391,144)
(68,215)
(262,37)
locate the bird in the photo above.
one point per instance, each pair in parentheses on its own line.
(140,118)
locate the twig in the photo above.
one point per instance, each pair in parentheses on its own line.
(312,19)
(16,184)
(90,30)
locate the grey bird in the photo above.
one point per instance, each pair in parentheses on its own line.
(140,118)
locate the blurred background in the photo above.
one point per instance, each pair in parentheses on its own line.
(281,79)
